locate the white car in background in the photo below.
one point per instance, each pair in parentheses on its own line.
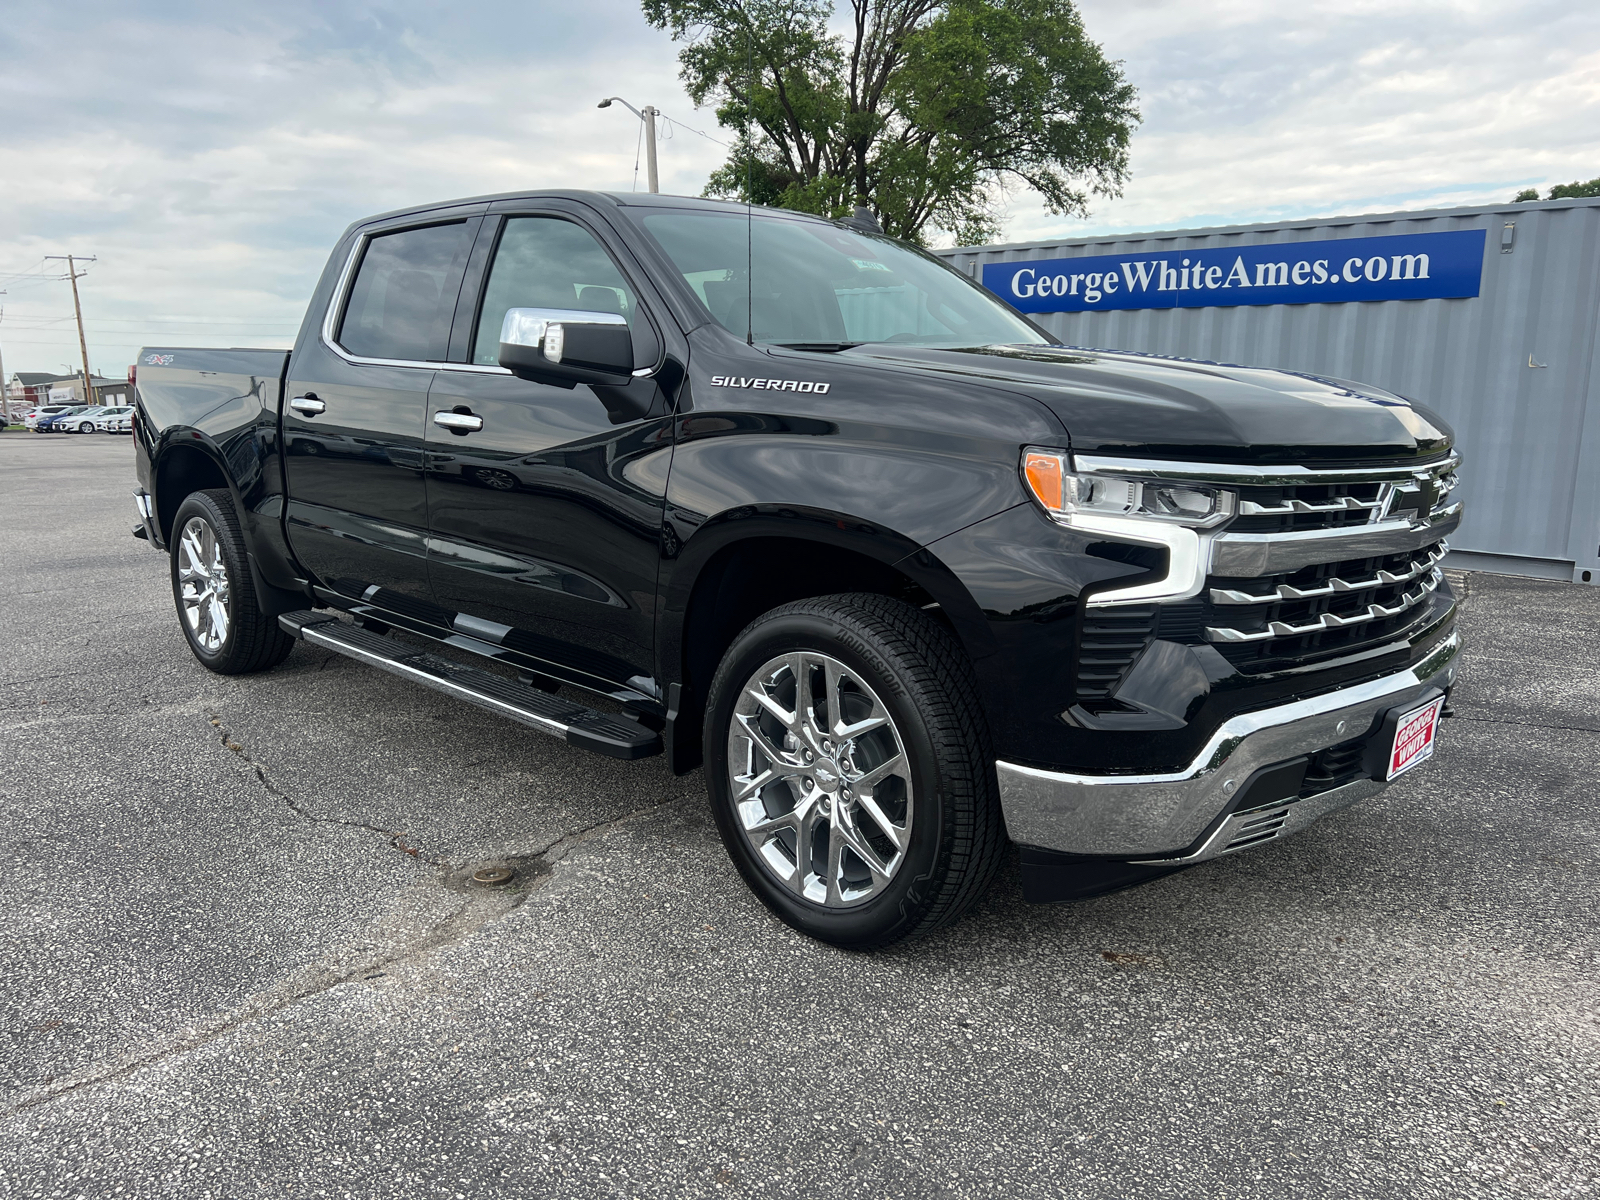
(45,410)
(122,424)
(82,422)
(106,420)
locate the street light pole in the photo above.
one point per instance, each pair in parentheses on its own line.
(648,115)
(83,344)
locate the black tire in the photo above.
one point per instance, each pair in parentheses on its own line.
(253,642)
(85,427)
(924,679)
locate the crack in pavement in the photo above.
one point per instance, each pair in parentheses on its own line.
(395,837)
(482,906)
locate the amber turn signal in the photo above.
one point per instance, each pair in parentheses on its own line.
(1044,473)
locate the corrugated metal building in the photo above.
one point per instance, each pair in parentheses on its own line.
(1512,368)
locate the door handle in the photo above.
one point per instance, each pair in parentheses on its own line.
(308,405)
(458,422)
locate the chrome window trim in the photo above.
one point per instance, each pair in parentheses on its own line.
(330,320)
(1274,475)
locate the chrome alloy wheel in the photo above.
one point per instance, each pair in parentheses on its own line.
(820,780)
(203,584)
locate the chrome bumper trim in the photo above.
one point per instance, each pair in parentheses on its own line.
(1271,822)
(1140,817)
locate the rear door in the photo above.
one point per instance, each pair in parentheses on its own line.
(545,520)
(355,411)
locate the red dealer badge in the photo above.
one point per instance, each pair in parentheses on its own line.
(1414,737)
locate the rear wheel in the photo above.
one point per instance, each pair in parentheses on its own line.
(850,770)
(214,592)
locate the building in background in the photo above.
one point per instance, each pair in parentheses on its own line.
(29,388)
(1488,315)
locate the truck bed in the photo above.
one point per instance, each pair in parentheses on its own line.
(181,386)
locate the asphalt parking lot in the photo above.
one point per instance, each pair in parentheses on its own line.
(241,956)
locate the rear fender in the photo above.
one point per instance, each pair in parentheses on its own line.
(186,460)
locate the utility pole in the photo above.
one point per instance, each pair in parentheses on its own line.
(83,343)
(648,115)
(5,384)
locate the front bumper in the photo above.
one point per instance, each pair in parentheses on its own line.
(1186,816)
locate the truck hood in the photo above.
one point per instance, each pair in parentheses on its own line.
(1126,403)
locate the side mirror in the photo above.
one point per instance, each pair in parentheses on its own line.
(566,346)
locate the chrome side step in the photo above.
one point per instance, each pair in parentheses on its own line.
(615,737)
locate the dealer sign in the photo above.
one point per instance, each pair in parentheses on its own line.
(1412,266)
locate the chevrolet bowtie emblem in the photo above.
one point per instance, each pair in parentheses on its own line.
(1418,497)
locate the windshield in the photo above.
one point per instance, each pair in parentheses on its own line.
(797,282)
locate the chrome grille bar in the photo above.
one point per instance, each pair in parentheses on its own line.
(1258,476)
(1374,612)
(1249,508)
(1332,587)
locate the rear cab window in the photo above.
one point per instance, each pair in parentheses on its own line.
(400,303)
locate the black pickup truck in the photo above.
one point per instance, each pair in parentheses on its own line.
(793,500)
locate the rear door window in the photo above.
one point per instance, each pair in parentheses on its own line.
(545,262)
(404,294)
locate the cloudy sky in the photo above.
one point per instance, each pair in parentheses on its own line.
(208,155)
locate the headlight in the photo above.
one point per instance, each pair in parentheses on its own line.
(1069,495)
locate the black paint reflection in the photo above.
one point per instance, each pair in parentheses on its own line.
(548,520)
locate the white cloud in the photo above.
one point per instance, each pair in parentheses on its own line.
(210,157)
(210,163)
(1256,111)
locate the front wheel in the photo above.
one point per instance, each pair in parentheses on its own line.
(85,427)
(214,591)
(850,770)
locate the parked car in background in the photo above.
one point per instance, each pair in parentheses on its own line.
(81,421)
(123,423)
(66,422)
(106,417)
(46,412)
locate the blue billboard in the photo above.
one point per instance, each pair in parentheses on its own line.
(1408,266)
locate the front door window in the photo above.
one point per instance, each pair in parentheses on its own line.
(544,262)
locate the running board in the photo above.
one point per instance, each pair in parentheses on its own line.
(615,737)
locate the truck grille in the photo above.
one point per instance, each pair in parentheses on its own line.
(1316,563)
(1336,504)
(1307,506)
(1320,609)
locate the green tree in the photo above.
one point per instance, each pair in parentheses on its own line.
(1575,190)
(923,110)
(1563,191)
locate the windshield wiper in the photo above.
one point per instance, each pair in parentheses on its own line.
(820,347)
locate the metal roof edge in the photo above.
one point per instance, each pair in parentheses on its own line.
(1270,226)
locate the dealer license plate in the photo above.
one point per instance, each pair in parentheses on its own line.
(1414,737)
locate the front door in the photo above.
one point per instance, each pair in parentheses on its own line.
(545,522)
(355,412)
